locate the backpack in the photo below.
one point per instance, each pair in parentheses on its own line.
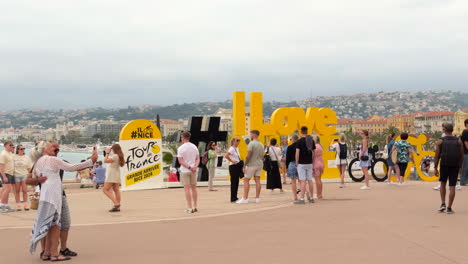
(205,158)
(310,143)
(343,151)
(267,163)
(450,152)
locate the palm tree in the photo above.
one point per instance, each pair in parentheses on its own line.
(352,138)
(432,139)
(173,148)
(379,139)
(390,130)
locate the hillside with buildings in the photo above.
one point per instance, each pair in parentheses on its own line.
(420,112)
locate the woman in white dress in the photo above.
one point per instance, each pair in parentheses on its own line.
(112,184)
(48,218)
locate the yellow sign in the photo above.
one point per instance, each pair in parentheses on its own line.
(418,157)
(141,144)
(284,122)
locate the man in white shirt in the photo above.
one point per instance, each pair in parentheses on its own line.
(189,159)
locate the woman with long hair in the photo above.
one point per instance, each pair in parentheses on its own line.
(112,184)
(365,159)
(284,150)
(235,169)
(391,165)
(23,165)
(273,176)
(211,148)
(341,149)
(318,166)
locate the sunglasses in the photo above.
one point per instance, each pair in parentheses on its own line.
(22,149)
(237,140)
(11,145)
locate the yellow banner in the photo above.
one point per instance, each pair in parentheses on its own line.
(140,129)
(143,174)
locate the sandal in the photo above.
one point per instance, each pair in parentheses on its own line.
(44,257)
(59,258)
(68,253)
(116,208)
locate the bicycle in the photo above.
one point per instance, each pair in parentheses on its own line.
(378,167)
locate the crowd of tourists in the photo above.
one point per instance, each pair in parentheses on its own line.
(44,170)
(299,158)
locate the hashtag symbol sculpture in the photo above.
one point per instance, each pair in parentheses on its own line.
(134,134)
(212,134)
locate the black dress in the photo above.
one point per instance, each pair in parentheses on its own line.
(274,176)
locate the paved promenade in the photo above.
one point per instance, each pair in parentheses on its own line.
(388,224)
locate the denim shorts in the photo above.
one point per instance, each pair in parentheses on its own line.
(19,179)
(292,171)
(65,216)
(305,172)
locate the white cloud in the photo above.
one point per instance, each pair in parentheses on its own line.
(219,45)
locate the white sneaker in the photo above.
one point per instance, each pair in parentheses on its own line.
(437,188)
(458,187)
(242,201)
(390,183)
(365,187)
(402,183)
(257,200)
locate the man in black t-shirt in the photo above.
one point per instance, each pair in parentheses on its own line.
(449,151)
(304,158)
(464,139)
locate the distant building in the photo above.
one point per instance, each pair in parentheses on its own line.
(226,119)
(375,124)
(459,119)
(103,127)
(404,122)
(169,127)
(8,134)
(344,124)
(431,121)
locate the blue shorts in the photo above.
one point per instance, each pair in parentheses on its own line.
(292,171)
(390,162)
(19,179)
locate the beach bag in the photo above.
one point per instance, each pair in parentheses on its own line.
(267,163)
(173,177)
(450,152)
(310,143)
(385,152)
(205,158)
(33,202)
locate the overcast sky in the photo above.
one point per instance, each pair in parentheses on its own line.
(110,53)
